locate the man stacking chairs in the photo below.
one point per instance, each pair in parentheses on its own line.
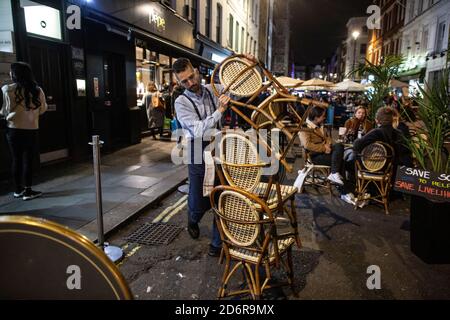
(250,239)
(243,79)
(374,166)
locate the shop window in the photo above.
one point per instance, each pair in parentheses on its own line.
(6,28)
(42,20)
(7,48)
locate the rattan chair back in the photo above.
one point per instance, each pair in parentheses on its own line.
(242,80)
(240,161)
(374,157)
(239,219)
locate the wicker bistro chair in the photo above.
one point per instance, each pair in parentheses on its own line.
(374,166)
(250,240)
(316,175)
(242,168)
(243,79)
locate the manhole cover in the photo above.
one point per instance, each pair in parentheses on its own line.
(155,233)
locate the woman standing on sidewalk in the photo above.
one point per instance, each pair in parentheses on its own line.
(23,103)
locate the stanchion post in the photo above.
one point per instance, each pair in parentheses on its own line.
(98,188)
(113,253)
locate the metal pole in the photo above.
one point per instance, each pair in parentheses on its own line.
(354,60)
(98,189)
(113,253)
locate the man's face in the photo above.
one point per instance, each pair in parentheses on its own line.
(189,79)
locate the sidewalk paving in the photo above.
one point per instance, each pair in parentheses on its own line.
(132,179)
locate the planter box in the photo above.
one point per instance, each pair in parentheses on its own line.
(430,230)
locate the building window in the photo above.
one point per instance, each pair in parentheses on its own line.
(186,9)
(237,37)
(247,44)
(440,36)
(254,48)
(230,31)
(424,43)
(411,9)
(194,12)
(242,40)
(363,48)
(420,7)
(219,24)
(252,4)
(7,33)
(208,18)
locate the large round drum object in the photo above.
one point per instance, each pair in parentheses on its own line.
(44,260)
(241,83)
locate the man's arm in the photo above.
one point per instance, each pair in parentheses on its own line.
(368,139)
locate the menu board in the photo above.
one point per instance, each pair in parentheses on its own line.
(427,184)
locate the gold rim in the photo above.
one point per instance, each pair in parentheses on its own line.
(76,237)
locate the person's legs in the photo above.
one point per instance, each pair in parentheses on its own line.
(197,203)
(337,156)
(28,152)
(321,159)
(16,147)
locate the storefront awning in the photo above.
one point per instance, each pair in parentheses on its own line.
(416,73)
(164,46)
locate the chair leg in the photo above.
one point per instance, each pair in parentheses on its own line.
(222,288)
(384,188)
(294,223)
(257,288)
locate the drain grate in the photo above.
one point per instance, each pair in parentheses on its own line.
(155,233)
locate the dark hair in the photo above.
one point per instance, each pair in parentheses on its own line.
(26,85)
(385,116)
(181,65)
(316,112)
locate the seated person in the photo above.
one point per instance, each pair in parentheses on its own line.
(388,134)
(316,140)
(357,126)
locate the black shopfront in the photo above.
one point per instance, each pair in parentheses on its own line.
(90,71)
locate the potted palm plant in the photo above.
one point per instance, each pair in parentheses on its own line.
(383,74)
(430,220)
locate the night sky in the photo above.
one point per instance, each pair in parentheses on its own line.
(318,26)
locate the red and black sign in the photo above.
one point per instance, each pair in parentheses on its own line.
(427,184)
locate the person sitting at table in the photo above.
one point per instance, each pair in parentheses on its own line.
(388,134)
(357,126)
(319,145)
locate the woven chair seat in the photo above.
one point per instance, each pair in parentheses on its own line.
(371,176)
(272,201)
(243,254)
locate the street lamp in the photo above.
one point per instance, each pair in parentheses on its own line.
(355,36)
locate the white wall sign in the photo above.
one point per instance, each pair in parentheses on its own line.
(6,41)
(42,20)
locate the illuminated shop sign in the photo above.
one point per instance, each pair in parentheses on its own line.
(157,20)
(42,20)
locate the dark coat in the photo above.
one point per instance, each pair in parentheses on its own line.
(387,134)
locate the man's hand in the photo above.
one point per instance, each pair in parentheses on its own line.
(223,103)
(250,57)
(327,149)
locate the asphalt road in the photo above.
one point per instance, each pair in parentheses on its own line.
(340,246)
